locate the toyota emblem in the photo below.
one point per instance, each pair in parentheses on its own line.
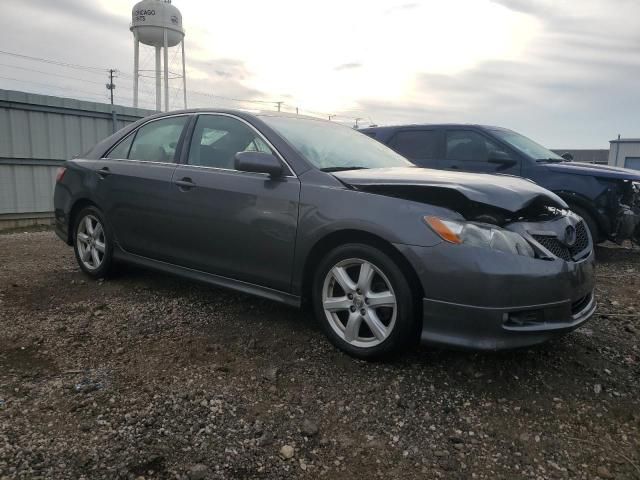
(570,236)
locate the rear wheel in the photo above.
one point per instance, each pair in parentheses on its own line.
(92,243)
(364,302)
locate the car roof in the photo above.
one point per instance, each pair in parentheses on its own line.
(431,125)
(238,112)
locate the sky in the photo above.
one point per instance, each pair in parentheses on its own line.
(564,72)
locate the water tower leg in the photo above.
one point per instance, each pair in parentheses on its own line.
(136,66)
(158,80)
(166,72)
(184,77)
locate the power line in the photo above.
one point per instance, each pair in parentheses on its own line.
(48,85)
(54,62)
(50,74)
(96,70)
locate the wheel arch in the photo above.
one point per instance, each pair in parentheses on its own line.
(340,237)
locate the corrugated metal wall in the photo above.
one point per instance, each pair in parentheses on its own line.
(37,134)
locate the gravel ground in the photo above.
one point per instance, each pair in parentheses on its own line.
(147,375)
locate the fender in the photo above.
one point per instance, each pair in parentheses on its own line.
(601,218)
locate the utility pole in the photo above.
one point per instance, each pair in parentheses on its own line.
(278,103)
(111,87)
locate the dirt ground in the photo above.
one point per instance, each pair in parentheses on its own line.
(147,375)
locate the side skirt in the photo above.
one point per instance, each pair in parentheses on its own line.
(208,278)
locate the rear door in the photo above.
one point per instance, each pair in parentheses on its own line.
(135,180)
(473,151)
(236,224)
(422,147)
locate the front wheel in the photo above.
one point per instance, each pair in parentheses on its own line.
(364,302)
(92,243)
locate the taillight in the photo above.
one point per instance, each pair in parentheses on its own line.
(60,174)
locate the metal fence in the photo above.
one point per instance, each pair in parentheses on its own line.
(37,134)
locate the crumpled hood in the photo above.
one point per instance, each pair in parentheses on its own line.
(594,170)
(501,191)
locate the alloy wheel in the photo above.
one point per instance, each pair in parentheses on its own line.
(359,302)
(90,242)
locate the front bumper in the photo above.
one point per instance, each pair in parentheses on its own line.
(483,299)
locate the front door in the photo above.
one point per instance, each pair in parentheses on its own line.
(236,224)
(472,151)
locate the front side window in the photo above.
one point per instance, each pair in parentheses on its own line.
(467,145)
(157,140)
(416,144)
(217,138)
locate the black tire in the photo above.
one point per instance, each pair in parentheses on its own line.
(404,331)
(596,235)
(106,259)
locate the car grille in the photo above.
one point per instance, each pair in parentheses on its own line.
(582,239)
(560,250)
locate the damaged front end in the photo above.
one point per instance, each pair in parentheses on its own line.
(492,206)
(548,229)
(547,232)
(627,218)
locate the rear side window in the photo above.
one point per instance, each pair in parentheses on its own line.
(157,141)
(416,144)
(121,150)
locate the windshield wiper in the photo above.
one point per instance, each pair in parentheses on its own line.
(341,169)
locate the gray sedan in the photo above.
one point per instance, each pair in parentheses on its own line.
(309,212)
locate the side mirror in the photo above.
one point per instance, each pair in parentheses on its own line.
(501,158)
(567,156)
(258,162)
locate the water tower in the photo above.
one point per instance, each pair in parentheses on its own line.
(157,23)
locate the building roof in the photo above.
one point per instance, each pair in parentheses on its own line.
(625,140)
(585,155)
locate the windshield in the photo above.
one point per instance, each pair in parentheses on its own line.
(331,146)
(527,146)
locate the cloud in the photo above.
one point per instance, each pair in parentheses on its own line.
(571,80)
(404,6)
(348,66)
(211,78)
(533,7)
(84,33)
(575,85)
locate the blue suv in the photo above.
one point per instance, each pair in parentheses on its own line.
(608,198)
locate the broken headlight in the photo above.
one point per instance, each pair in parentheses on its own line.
(480,235)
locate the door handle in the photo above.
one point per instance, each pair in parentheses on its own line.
(185,183)
(104,171)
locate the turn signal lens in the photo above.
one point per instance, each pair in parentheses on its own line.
(60,174)
(448,231)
